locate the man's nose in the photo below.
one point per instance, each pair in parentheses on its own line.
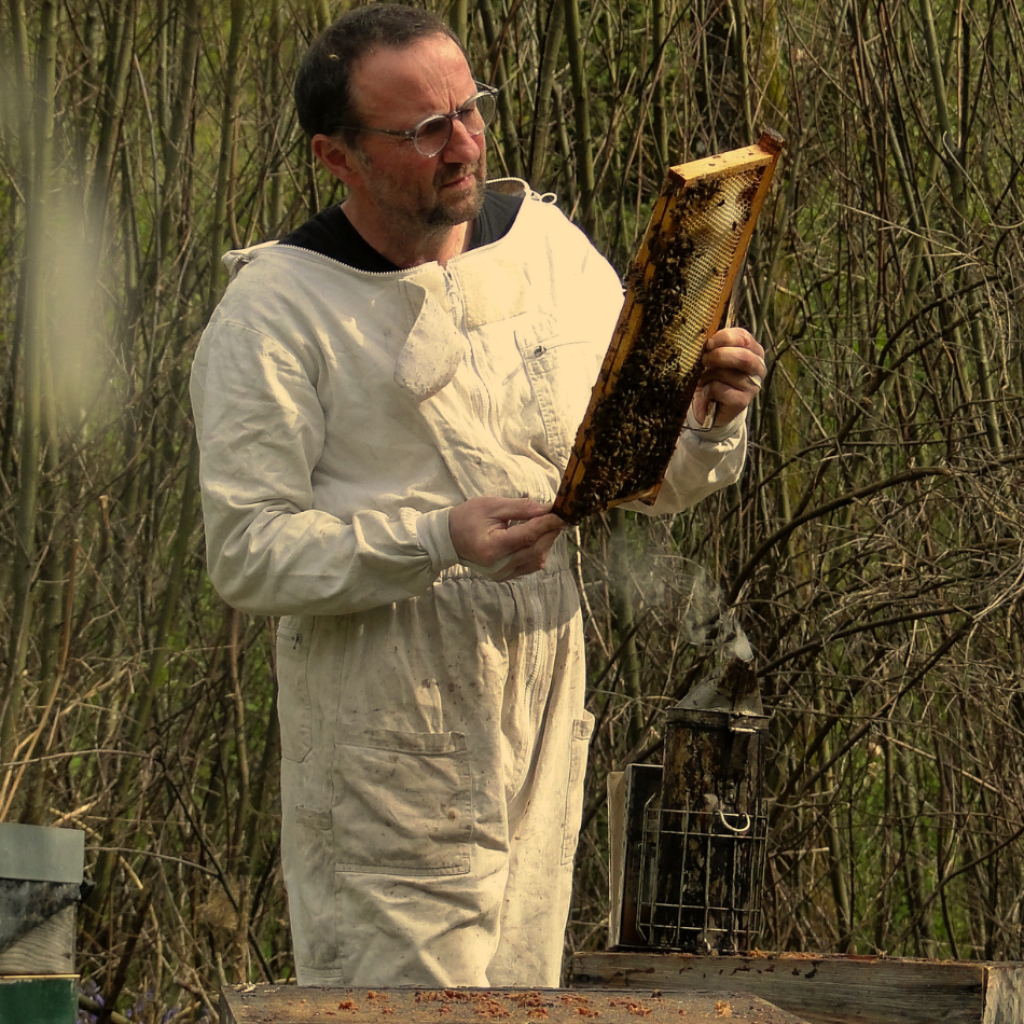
(462,148)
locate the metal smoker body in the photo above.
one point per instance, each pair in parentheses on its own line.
(692,834)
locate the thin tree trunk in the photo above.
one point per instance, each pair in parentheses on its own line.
(542,126)
(459,18)
(33,349)
(510,148)
(110,110)
(584,147)
(659,19)
(623,624)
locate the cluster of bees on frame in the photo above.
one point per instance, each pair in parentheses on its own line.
(635,427)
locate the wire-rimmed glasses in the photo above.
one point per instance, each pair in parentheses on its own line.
(433,133)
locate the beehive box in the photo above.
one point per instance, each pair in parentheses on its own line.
(41,872)
(276,1004)
(52,999)
(827,988)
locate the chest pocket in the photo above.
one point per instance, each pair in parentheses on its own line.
(559,371)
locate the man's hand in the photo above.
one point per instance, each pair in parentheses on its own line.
(733,371)
(518,531)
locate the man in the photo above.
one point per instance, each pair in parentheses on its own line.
(385,402)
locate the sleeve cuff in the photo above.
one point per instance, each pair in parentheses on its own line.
(716,434)
(435,538)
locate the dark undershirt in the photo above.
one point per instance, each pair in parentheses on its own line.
(330,233)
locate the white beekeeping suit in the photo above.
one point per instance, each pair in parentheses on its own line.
(433,730)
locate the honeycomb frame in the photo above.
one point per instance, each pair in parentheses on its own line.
(678,290)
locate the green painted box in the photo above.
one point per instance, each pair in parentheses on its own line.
(43,1000)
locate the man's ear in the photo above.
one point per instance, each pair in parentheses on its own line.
(338,158)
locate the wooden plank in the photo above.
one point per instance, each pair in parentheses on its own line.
(274,1004)
(47,949)
(616,786)
(1004,997)
(41,854)
(828,989)
(639,784)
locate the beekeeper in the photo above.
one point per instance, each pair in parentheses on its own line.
(385,402)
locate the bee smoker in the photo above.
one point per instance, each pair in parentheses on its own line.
(689,837)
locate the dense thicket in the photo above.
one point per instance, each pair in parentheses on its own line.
(873,553)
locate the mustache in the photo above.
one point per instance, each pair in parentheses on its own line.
(461,172)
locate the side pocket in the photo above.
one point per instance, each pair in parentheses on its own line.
(582,730)
(404,803)
(309,856)
(293,709)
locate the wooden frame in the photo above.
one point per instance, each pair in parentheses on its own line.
(677,293)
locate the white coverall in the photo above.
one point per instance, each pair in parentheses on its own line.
(433,731)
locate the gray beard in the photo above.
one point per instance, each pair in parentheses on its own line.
(442,217)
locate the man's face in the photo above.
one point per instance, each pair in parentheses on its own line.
(396,89)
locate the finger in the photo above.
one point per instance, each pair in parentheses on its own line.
(531,559)
(734,337)
(516,542)
(730,397)
(741,379)
(744,360)
(522,536)
(730,401)
(725,394)
(516,509)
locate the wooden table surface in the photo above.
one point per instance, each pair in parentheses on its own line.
(825,988)
(287,1004)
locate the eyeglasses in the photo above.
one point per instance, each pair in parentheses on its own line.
(433,133)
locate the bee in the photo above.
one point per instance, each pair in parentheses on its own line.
(639,292)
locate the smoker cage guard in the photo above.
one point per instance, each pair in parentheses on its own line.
(701,874)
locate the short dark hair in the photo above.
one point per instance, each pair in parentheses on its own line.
(323,96)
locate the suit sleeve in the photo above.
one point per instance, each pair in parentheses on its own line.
(270,550)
